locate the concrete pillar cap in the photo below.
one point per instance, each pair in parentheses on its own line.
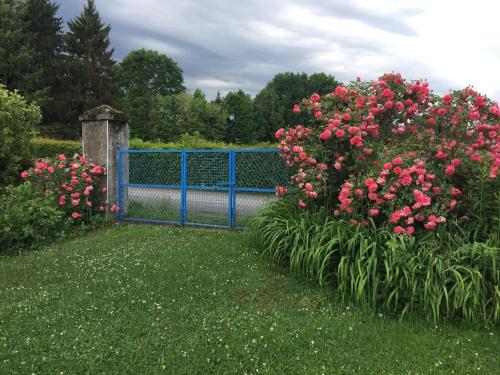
(103,112)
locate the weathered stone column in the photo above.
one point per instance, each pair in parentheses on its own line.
(104,130)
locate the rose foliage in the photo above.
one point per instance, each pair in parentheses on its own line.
(393,152)
(75,183)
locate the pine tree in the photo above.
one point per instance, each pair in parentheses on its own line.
(44,29)
(88,66)
(15,47)
(218,98)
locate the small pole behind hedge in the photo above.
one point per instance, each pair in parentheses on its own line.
(104,130)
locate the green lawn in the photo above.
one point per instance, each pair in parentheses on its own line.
(149,299)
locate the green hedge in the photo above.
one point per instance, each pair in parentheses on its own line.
(252,170)
(193,142)
(45,147)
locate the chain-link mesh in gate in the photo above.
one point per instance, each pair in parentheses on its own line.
(215,188)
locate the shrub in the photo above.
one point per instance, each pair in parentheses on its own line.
(17,128)
(393,151)
(45,147)
(394,198)
(59,195)
(28,216)
(440,275)
(76,185)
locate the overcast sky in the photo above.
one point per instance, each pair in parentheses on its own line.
(226,45)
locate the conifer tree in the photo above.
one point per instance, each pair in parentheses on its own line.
(218,98)
(15,46)
(44,29)
(89,65)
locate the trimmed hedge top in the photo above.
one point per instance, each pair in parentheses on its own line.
(45,147)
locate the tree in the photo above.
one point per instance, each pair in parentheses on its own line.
(321,83)
(269,112)
(88,68)
(214,118)
(30,53)
(15,47)
(199,96)
(285,90)
(218,98)
(211,116)
(144,75)
(40,22)
(242,128)
(290,88)
(172,116)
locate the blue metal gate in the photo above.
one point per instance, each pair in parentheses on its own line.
(213,188)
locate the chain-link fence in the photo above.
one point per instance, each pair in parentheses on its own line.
(222,188)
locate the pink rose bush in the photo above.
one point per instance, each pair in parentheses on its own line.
(393,152)
(75,182)
(394,198)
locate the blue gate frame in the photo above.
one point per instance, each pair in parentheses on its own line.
(229,186)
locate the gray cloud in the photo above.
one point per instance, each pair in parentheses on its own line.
(226,45)
(391,22)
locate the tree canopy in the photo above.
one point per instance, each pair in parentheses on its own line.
(150,72)
(242,128)
(274,104)
(67,73)
(143,75)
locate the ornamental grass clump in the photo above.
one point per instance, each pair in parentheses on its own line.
(394,198)
(438,275)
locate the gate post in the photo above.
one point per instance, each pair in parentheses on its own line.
(183,187)
(104,132)
(232,192)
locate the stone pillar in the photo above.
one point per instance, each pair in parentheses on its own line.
(104,130)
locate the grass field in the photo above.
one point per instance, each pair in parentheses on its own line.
(148,299)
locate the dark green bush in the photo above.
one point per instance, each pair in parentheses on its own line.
(28,217)
(18,120)
(443,275)
(45,147)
